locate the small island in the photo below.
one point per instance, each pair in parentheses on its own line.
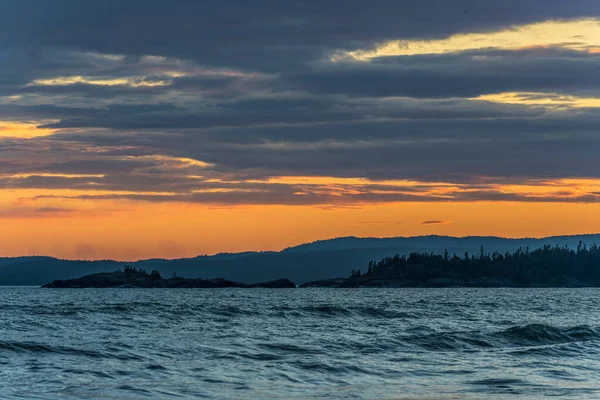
(131,277)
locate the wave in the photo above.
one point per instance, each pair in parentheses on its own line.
(538,338)
(326,310)
(449,341)
(333,310)
(540,334)
(329,368)
(38,348)
(385,313)
(286,348)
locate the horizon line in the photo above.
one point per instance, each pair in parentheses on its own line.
(306,243)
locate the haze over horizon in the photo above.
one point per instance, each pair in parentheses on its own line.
(438,250)
(135,130)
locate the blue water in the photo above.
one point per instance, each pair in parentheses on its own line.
(299,343)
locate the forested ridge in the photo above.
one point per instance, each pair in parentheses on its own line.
(549,265)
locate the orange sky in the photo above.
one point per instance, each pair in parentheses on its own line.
(135,230)
(96,224)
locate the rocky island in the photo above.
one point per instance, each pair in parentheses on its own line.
(137,278)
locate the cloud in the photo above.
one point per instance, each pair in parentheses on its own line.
(52,210)
(237,32)
(215,102)
(540,34)
(455,75)
(379,222)
(538,145)
(550,100)
(343,195)
(436,222)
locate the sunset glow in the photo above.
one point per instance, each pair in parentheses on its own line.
(22,130)
(581,35)
(174,144)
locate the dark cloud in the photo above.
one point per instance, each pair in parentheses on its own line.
(457,150)
(295,112)
(467,75)
(288,197)
(44,111)
(267,35)
(141,92)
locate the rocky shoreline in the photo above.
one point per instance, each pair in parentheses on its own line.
(140,279)
(484,282)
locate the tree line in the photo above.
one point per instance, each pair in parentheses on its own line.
(546,265)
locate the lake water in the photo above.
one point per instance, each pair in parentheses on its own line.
(299,343)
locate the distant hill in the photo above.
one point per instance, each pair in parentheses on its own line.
(322,259)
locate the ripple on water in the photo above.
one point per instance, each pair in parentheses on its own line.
(299,343)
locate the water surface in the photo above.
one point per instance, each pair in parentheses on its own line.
(299,343)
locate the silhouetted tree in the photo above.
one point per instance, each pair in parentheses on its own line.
(547,265)
(155,275)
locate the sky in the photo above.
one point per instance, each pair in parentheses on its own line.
(139,129)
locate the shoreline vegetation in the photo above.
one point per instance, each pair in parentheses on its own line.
(549,266)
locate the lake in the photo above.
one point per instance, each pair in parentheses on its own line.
(299,343)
